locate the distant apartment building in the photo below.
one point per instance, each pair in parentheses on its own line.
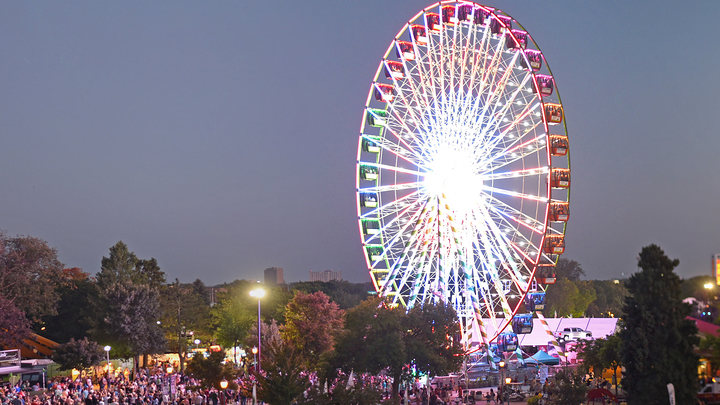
(274,276)
(325,276)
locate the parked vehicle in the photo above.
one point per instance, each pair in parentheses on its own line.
(573,333)
(709,394)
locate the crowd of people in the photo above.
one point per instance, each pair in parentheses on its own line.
(148,387)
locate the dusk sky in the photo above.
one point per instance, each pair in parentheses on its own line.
(220,137)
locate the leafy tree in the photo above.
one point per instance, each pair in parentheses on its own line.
(29,274)
(657,340)
(343,293)
(570,298)
(381,337)
(147,272)
(234,315)
(311,321)
(76,314)
(14,326)
(567,388)
(210,370)
(609,299)
(132,318)
(568,269)
(78,354)
(122,266)
(283,379)
(118,267)
(710,348)
(601,354)
(183,311)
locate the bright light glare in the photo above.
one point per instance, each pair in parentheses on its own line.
(257,293)
(453,178)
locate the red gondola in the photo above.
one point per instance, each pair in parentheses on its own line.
(559,145)
(384,92)
(560,178)
(534,60)
(394,69)
(559,211)
(433,21)
(405,50)
(500,22)
(554,244)
(480,16)
(516,40)
(553,113)
(465,12)
(545,274)
(419,34)
(448,15)
(545,83)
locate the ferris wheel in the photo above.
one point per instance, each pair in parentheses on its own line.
(463,171)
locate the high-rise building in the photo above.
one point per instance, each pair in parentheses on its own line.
(716,268)
(325,276)
(274,276)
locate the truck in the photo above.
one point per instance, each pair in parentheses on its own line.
(573,333)
(709,394)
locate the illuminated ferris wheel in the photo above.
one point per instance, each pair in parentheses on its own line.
(463,173)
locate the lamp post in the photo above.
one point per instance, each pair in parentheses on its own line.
(508,380)
(254,350)
(107,357)
(501,389)
(258,293)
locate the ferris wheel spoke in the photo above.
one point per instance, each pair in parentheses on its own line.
(510,193)
(516,173)
(391,187)
(515,152)
(394,223)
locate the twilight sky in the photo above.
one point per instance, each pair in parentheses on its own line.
(220,137)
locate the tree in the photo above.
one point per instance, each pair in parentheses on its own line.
(657,340)
(601,354)
(343,293)
(210,370)
(184,312)
(567,388)
(76,313)
(132,318)
(570,298)
(78,354)
(379,336)
(311,322)
(568,269)
(29,274)
(118,267)
(283,379)
(609,298)
(234,315)
(14,326)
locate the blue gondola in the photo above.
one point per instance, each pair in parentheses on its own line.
(507,342)
(535,301)
(522,324)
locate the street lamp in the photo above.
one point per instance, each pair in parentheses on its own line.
(107,356)
(258,293)
(508,380)
(223,383)
(501,390)
(254,350)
